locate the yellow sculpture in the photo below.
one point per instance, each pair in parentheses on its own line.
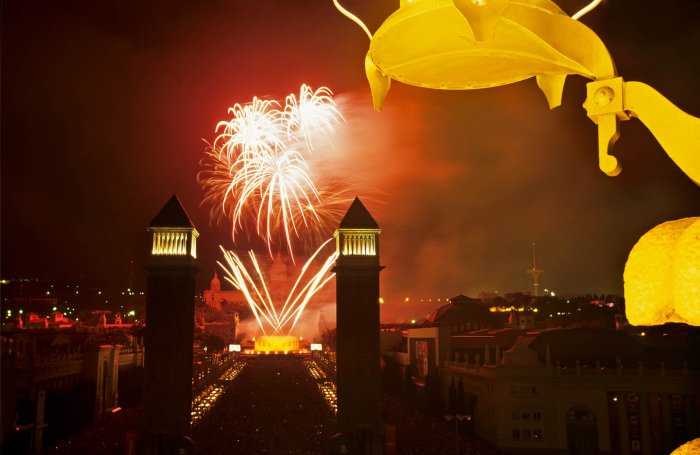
(471,44)
(662,275)
(689,448)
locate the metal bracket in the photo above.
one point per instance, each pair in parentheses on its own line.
(611,100)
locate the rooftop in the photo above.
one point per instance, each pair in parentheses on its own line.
(172,215)
(358,217)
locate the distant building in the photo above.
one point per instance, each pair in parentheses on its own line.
(463,314)
(521,319)
(322,325)
(576,391)
(93,371)
(279,274)
(358,341)
(220,300)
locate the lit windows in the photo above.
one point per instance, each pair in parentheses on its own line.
(168,242)
(359,243)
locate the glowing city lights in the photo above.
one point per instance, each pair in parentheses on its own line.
(205,400)
(508,309)
(325,385)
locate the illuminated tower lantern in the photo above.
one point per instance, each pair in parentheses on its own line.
(357,292)
(169,329)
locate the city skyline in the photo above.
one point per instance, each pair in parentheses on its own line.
(105,109)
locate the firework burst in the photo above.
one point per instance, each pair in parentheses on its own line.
(255,172)
(313,112)
(255,128)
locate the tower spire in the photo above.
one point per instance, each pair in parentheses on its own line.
(534,256)
(535,273)
(170,300)
(357,329)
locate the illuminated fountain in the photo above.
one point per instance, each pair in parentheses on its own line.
(277,323)
(256,175)
(277,344)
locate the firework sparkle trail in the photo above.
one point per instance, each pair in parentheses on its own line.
(255,128)
(255,290)
(312,112)
(255,172)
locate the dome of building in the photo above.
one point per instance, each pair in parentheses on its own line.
(215,284)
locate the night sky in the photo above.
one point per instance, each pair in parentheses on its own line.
(105,106)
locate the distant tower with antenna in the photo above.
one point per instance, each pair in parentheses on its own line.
(535,273)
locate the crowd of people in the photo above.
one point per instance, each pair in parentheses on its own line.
(273,407)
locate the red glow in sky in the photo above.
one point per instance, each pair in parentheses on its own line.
(105,107)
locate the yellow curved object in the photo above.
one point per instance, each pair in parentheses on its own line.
(686,274)
(662,275)
(677,132)
(473,44)
(379,83)
(468,45)
(689,448)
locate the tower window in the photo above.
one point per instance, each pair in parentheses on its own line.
(174,243)
(359,244)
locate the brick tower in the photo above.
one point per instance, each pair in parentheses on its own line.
(169,329)
(357,295)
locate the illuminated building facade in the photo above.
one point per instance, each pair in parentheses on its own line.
(357,294)
(575,391)
(219,299)
(169,328)
(96,371)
